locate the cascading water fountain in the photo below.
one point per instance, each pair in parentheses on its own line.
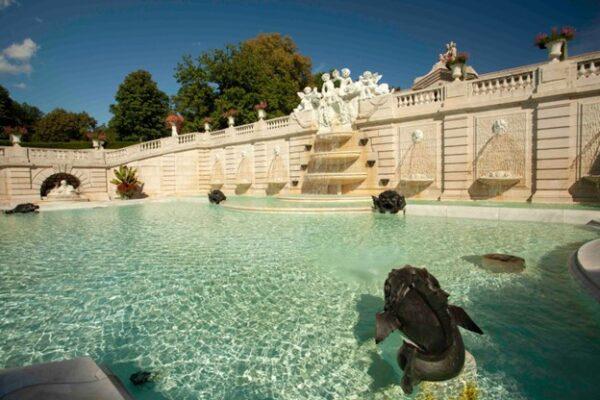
(500,162)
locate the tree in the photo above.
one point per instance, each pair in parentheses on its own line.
(140,109)
(265,68)
(195,98)
(15,114)
(60,125)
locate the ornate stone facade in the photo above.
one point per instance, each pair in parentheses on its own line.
(529,133)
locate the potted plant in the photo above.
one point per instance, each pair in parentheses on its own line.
(260,108)
(98,139)
(230,115)
(175,122)
(15,133)
(128,185)
(456,64)
(207,121)
(555,42)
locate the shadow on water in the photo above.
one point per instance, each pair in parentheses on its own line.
(367,306)
(147,391)
(544,324)
(382,373)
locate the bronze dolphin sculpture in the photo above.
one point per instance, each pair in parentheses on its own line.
(416,305)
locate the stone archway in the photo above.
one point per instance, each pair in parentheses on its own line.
(41,176)
(54,180)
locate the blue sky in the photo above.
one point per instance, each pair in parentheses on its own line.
(74,54)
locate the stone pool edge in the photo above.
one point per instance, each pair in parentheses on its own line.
(584,266)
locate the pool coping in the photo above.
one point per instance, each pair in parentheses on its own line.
(584,266)
(551,215)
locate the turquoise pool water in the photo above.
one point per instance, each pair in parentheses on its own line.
(233,305)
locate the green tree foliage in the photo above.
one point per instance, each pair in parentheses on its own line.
(60,125)
(265,68)
(13,113)
(140,109)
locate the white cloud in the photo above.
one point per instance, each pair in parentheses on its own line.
(15,59)
(7,3)
(20,85)
(38,19)
(21,52)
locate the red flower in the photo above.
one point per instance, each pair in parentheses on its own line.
(261,106)
(232,112)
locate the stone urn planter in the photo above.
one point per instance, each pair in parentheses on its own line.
(555,50)
(207,127)
(230,121)
(15,139)
(261,114)
(174,130)
(457,70)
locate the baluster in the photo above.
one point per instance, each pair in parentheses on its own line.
(593,68)
(505,84)
(475,89)
(512,83)
(520,82)
(581,70)
(528,80)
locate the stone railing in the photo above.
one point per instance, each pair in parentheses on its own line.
(244,129)
(58,154)
(506,85)
(188,138)
(151,145)
(588,68)
(278,123)
(420,97)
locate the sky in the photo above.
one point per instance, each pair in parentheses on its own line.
(74,54)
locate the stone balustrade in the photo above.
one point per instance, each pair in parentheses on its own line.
(244,129)
(533,104)
(507,85)
(588,68)
(421,97)
(278,123)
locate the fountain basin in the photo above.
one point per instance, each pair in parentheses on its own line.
(337,177)
(416,181)
(337,155)
(499,181)
(336,136)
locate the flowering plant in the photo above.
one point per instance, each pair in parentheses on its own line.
(566,33)
(232,112)
(96,135)
(174,119)
(15,130)
(207,120)
(461,58)
(261,106)
(127,182)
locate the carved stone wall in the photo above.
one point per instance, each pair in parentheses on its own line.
(418,152)
(501,146)
(589,143)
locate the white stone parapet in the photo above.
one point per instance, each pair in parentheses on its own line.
(550,110)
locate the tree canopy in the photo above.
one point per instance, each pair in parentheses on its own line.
(13,113)
(140,109)
(60,125)
(265,68)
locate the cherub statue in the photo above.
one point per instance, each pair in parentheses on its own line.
(309,99)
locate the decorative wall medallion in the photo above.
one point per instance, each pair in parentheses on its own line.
(417,136)
(499,127)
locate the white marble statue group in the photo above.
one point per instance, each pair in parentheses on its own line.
(338,106)
(63,191)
